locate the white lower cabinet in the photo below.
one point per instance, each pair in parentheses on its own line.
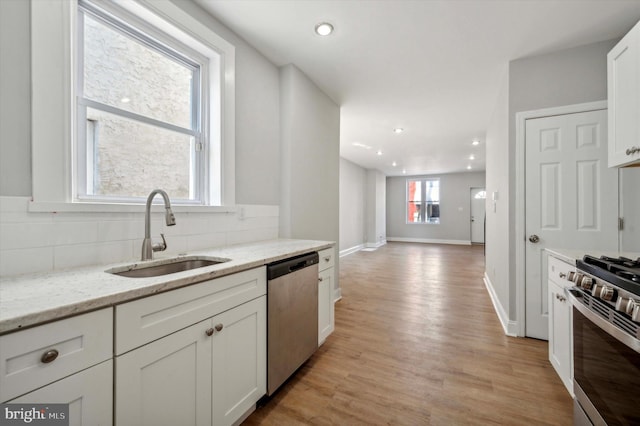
(560,324)
(89,394)
(326,310)
(209,373)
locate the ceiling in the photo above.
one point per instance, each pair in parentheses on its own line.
(431,67)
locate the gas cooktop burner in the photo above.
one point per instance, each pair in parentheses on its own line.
(620,271)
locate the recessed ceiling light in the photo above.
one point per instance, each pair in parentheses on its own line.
(404,172)
(394,164)
(468,167)
(324,29)
(472,157)
(475,142)
(379,152)
(398,130)
(125,100)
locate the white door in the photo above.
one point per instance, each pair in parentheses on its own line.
(478,196)
(571,198)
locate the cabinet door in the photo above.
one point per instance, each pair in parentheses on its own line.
(623,74)
(166,382)
(89,394)
(325,304)
(560,345)
(239,360)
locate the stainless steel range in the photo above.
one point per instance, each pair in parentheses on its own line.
(606,341)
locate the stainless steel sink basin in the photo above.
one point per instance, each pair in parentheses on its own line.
(165,267)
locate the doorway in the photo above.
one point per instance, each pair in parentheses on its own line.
(478,202)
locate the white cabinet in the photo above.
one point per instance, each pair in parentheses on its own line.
(210,372)
(560,335)
(89,394)
(623,79)
(326,272)
(66,361)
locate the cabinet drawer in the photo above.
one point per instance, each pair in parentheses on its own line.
(327,259)
(80,342)
(145,320)
(558,271)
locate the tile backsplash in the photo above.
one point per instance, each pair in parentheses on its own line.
(41,242)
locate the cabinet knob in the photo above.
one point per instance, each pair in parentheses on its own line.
(632,150)
(563,275)
(320,279)
(209,332)
(328,258)
(219,327)
(49,356)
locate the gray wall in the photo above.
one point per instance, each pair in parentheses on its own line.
(15,98)
(310,129)
(455,204)
(353,179)
(257,109)
(375,216)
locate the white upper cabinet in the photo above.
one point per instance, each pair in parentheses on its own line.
(623,78)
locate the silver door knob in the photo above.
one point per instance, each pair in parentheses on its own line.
(534,238)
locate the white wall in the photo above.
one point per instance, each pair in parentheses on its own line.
(353,179)
(498,239)
(455,210)
(375,214)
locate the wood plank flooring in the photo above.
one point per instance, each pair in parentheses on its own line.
(417,342)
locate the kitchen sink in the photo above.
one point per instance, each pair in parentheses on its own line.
(165,266)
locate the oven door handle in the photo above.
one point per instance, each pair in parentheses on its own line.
(605,325)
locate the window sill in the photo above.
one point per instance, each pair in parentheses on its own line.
(54,207)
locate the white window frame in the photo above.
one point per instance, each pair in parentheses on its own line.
(424,180)
(54,66)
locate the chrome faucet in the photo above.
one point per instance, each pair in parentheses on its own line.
(147,245)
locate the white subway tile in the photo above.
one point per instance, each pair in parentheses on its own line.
(205,241)
(77,255)
(25,261)
(240,237)
(75,233)
(114,230)
(25,235)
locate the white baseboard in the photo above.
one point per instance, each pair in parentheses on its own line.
(337,294)
(351,250)
(429,241)
(510,327)
(375,245)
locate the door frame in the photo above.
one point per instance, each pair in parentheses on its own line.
(484,231)
(520,196)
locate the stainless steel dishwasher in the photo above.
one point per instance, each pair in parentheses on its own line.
(292,316)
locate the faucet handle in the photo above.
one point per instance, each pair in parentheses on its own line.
(160,247)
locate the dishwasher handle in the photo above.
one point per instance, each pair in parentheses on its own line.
(291,265)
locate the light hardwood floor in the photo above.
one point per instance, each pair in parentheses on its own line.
(417,342)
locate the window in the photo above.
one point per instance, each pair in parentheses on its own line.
(423,200)
(126,97)
(139,104)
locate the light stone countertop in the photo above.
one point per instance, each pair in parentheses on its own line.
(571,255)
(28,300)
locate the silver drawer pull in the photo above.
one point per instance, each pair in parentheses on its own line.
(632,150)
(563,275)
(49,356)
